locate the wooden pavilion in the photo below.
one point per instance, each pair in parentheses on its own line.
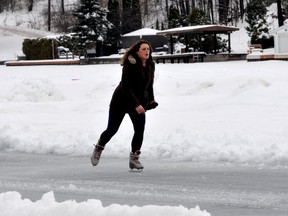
(200,30)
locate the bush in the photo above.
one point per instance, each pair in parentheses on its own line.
(39,49)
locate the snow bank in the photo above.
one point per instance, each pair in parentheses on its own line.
(12,204)
(229,112)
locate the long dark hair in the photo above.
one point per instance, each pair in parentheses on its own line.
(133,51)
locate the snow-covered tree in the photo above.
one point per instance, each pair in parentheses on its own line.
(255,17)
(91,24)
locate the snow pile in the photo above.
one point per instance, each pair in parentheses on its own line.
(12,204)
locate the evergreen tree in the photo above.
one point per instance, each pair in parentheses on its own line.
(255,17)
(91,24)
(198,17)
(126,14)
(131,16)
(174,17)
(223,11)
(204,42)
(114,34)
(157,24)
(136,12)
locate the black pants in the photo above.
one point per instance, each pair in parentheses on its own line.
(114,121)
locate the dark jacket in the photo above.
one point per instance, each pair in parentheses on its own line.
(136,85)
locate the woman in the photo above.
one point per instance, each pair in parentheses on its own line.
(134,95)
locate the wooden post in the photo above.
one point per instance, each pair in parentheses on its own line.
(53,55)
(229,43)
(171,44)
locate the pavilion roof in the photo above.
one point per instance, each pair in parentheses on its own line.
(199,29)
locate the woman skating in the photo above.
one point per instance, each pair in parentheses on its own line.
(134,95)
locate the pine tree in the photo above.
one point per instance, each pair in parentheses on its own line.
(198,17)
(157,24)
(255,17)
(223,11)
(114,34)
(206,42)
(92,25)
(174,17)
(131,16)
(136,12)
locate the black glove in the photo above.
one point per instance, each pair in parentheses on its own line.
(152,105)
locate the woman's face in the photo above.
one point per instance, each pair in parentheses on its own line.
(143,52)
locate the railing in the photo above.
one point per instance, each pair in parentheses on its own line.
(190,57)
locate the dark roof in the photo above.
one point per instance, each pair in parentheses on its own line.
(199,29)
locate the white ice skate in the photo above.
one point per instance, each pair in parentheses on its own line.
(96,154)
(134,162)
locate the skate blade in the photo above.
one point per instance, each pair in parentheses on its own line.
(135,170)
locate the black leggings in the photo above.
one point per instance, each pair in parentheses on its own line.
(114,122)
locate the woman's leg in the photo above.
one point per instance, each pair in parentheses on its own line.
(114,122)
(138,121)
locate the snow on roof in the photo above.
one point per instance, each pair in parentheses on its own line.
(283,28)
(199,29)
(143,31)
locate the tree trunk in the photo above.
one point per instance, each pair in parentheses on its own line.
(30,5)
(167,9)
(210,6)
(145,7)
(182,7)
(62,7)
(49,15)
(242,9)
(188,9)
(280,15)
(193,4)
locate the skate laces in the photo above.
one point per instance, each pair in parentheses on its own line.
(136,159)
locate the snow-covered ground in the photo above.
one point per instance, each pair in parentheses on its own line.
(226,114)
(233,112)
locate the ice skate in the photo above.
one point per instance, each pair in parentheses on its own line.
(96,154)
(134,162)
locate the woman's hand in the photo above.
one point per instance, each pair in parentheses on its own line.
(140,109)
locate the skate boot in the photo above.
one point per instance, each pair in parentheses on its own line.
(96,154)
(134,162)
